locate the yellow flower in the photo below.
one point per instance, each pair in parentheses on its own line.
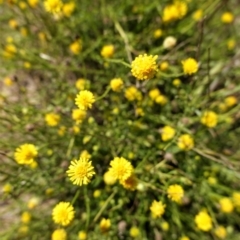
(164,66)
(132,93)
(61,130)
(22,5)
(139,112)
(23,230)
(8,81)
(80,171)
(174,11)
(26,217)
(231,43)
(203,221)
(9,51)
(82,235)
(184,238)
(154,93)
(33,3)
(53,6)
(130,183)
(96,193)
(68,9)
(85,154)
(230,101)
(76,47)
(157,33)
(7,188)
(63,213)
(226,205)
(25,154)
(161,99)
(165,226)
(33,202)
(209,118)
(177,82)
(220,232)
(116,84)
(13,23)
(52,119)
(109,178)
(24,31)
(227,17)
(157,209)
(81,83)
(197,15)
(59,234)
(27,65)
(185,142)
(236,199)
(144,67)
(84,99)
(78,115)
(107,51)
(169,42)
(175,193)
(105,224)
(134,232)
(190,66)
(167,133)
(121,168)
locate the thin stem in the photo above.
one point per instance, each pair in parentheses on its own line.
(76,196)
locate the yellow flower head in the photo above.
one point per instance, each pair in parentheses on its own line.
(167,133)
(52,119)
(165,226)
(26,217)
(132,93)
(33,202)
(164,66)
(144,67)
(53,6)
(80,171)
(105,224)
(33,3)
(7,188)
(84,99)
(109,178)
(157,33)
(184,238)
(220,232)
(13,23)
(230,101)
(203,221)
(82,235)
(9,51)
(226,205)
(8,81)
(59,234)
(227,17)
(174,11)
(157,209)
(190,66)
(185,142)
(25,154)
(107,51)
(176,82)
(85,154)
(116,84)
(81,83)
(68,9)
(209,118)
(63,213)
(78,115)
(197,15)
(121,168)
(231,43)
(175,193)
(130,183)
(154,93)
(134,232)
(161,99)
(76,47)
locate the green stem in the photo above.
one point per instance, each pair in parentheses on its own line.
(76,196)
(87,202)
(70,146)
(119,61)
(104,94)
(104,206)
